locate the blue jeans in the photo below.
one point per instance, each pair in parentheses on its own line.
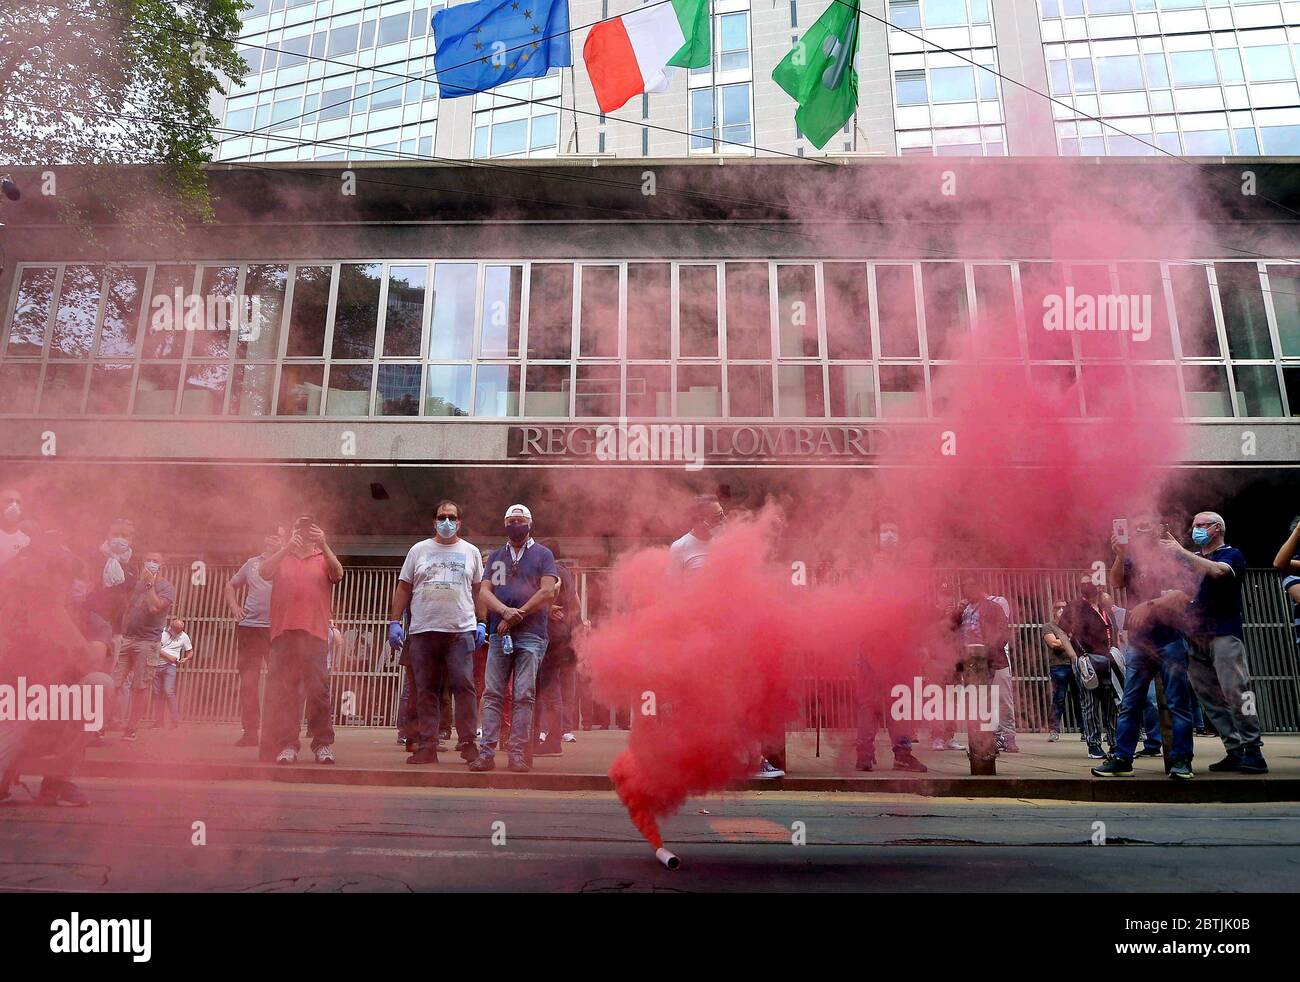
(1152,738)
(1064,683)
(1171,662)
(523,663)
(164,693)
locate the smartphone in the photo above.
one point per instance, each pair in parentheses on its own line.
(1119,527)
(305,523)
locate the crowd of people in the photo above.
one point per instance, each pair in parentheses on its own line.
(488,639)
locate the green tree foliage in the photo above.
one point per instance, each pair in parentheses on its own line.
(102,82)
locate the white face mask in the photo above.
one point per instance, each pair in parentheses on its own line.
(152,567)
(13,512)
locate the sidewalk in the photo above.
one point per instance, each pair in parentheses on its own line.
(366,756)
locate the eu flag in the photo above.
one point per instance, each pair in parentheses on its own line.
(480,45)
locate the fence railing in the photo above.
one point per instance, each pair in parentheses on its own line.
(366,678)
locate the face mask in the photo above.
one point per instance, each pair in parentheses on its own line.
(517,533)
(152,567)
(1200,536)
(119,544)
(447,527)
(13,512)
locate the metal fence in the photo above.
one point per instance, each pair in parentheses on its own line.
(368,672)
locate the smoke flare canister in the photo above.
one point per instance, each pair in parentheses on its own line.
(667,858)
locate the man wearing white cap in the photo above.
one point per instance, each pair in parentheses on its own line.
(521,581)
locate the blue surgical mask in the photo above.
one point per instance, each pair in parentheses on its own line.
(152,567)
(1201,536)
(447,527)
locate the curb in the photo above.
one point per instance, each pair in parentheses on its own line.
(1201,790)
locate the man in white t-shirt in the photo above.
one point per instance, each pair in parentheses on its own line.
(12,539)
(174,649)
(439,582)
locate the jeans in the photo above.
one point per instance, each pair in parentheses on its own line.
(1152,738)
(1171,662)
(556,685)
(569,697)
(254,648)
(134,658)
(1063,684)
(439,657)
(1221,679)
(1006,705)
(297,670)
(164,693)
(527,656)
(870,701)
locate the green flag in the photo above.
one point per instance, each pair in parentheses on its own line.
(819,75)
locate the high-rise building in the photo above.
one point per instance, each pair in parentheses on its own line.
(353,79)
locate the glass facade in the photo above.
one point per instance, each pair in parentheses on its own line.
(1185,76)
(747,339)
(325,82)
(944,103)
(721,94)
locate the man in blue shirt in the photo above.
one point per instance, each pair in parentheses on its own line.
(519,584)
(1217,665)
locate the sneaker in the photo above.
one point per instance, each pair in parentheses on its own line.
(440,747)
(568,738)
(1149,752)
(481,763)
(938,744)
(425,756)
(866,765)
(541,737)
(953,744)
(1181,770)
(1232,762)
(1114,767)
(61,793)
(1007,746)
(518,765)
(766,772)
(247,740)
(479,733)
(1252,762)
(128,734)
(1053,736)
(1094,751)
(402,741)
(287,756)
(325,755)
(469,753)
(904,761)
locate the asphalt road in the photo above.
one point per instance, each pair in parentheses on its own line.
(262,837)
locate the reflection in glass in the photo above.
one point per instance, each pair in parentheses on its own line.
(110,389)
(799,391)
(18,387)
(550,311)
(122,304)
(1207,390)
(311,297)
(300,390)
(649,310)
(698,311)
(252,390)
(155,390)
(853,391)
(496,391)
(220,312)
(356,314)
(796,310)
(1258,393)
(452,332)
(848,310)
(349,390)
(204,392)
(749,391)
(446,393)
(598,316)
(1243,311)
(164,337)
(399,390)
(31,312)
(548,390)
(62,389)
(259,329)
(74,322)
(1196,330)
(749,321)
(404,319)
(502,290)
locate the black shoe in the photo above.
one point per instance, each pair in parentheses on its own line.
(518,766)
(1149,752)
(550,748)
(906,762)
(1094,751)
(1232,762)
(1114,767)
(866,765)
(469,753)
(425,756)
(1252,762)
(482,764)
(247,740)
(412,745)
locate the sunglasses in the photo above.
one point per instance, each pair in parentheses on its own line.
(446,518)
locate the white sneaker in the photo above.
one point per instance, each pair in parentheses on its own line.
(953,744)
(541,737)
(287,756)
(479,733)
(766,772)
(568,738)
(325,755)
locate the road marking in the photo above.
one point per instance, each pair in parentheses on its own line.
(742,829)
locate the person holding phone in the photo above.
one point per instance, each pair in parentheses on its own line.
(142,626)
(174,650)
(302,573)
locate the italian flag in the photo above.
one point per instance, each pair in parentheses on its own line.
(634,53)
